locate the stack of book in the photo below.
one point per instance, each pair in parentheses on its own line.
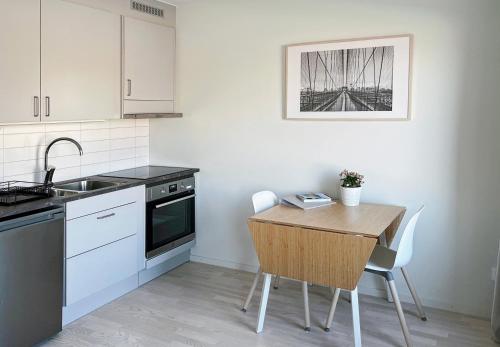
(308,200)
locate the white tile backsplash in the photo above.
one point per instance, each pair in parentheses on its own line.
(141,161)
(142,151)
(23,140)
(74,134)
(22,153)
(121,164)
(24,129)
(120,133)
(142,141)
(95,169)
(95,157)
(122,123)
(95,146)
(107,146)
(51,127)
(95,134)
(22,167)
(142,131)
(119,154)
(94,125)
(128,142)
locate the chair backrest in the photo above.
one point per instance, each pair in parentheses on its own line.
(405,248)
(264,200)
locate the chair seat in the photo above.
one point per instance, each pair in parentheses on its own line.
(382,259)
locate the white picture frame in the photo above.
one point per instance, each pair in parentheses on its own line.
(356,79)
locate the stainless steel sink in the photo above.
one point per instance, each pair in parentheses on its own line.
(60,192)
(81,187)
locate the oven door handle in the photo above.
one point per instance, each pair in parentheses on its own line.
(176,200)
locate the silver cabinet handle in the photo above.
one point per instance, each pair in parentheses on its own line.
(174,201)
(129,87)
(36,107)
(47,106)
(106,216)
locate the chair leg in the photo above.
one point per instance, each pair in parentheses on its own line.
(355,317)
(263,302)
(388,295)
(252,290)
(306,306)
(383,242)
(399,310)
(276,282)
(413,292)
(336,294)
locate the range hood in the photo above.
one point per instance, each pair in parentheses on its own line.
(141,109)
(151,115)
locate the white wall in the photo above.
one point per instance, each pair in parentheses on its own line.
(230,88)
(107,146)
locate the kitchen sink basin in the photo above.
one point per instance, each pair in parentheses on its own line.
(81,186)
(61,192)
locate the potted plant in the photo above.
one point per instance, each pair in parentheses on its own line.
(350,187)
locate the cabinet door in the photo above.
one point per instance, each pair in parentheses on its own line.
(91,272)
(19,60)
(80,62)
(149,61)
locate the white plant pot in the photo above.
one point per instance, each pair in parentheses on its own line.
(350,196)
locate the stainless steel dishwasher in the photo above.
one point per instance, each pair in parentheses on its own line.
(31,277)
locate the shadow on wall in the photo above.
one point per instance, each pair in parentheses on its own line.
(477,169)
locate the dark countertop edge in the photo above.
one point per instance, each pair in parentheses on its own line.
(7,212)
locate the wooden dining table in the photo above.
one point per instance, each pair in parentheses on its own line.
(328,246)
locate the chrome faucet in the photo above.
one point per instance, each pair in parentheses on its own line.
(49,173)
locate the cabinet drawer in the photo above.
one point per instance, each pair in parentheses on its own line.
(83,207)
(96,270)
(86,233)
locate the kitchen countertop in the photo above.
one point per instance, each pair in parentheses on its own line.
(7,212)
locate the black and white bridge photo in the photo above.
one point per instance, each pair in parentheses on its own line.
(359,79)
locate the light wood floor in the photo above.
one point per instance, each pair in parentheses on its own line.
(199,305)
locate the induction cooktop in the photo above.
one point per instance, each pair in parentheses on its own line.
(145,172)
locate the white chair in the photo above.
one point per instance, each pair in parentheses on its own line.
(383,262)
(262,201)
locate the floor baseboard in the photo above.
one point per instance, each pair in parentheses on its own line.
(363,288)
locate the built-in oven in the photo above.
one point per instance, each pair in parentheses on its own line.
(169,216)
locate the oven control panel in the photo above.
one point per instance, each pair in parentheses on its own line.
(169,188)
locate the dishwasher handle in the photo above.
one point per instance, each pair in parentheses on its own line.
(35,218)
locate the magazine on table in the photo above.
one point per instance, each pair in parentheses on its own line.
(313,197)
(293,200)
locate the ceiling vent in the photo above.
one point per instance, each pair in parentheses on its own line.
(151,10)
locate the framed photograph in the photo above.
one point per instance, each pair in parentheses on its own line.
(361,79)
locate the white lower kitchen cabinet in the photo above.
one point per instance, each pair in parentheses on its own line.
(93,271)
(104,249)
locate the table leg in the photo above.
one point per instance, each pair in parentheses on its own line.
(355,317)
(252,290)
(263,302)
(383,242)
(336,293)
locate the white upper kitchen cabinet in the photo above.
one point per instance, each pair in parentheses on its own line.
(149,57)
(80,62)
(19,61)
